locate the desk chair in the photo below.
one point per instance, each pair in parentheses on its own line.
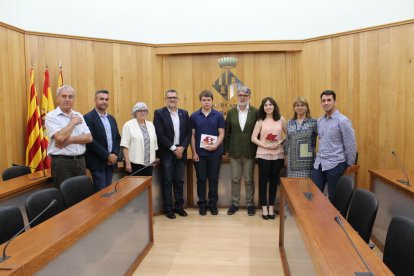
(343,194)
(362,212)
(39,200)
(11,222)
(76,189)
(15,171)
(399,246)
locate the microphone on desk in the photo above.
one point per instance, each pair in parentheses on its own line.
(5,257)
(108,194)
(402,168)
(308,194)
(338,220)
(44,171)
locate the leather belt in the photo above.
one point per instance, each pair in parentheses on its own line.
(68,156)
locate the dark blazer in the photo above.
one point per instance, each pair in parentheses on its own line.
(165,131)
(97,151)
(237,143)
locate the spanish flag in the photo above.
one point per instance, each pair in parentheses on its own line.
(47,106)
(34,130)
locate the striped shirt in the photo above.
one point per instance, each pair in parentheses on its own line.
(336,141)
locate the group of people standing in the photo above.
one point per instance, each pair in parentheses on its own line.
(248,136)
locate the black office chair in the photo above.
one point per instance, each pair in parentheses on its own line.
(39,200)
(343,194)
(362,212)
(399,246)
(76,189)
(15,171)
(11,222)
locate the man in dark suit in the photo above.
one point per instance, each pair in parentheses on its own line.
(172,126)
(102,153)
(240,123)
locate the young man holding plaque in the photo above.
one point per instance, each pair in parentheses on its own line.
(206,145)
(337,146)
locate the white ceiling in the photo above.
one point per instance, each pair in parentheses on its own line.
(180,21)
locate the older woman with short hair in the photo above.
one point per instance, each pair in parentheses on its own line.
(139,142)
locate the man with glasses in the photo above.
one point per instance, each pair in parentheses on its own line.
(172,126)
(240,123)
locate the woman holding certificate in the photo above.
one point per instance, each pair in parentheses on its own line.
(300,140)
(271,128)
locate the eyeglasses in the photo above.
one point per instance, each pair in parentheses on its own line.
(142,110)
(243,95)
(172,98)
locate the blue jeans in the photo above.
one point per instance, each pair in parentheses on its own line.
(329,176)
(173,178)
(101,179)
(207,168)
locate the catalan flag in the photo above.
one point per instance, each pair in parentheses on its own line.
(47,106)
(60,80)
(34,130)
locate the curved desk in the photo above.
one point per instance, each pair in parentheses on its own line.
(320,246)
(98,236)
(394,199)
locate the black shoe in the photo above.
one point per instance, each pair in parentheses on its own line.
(170,215)
(271,216)
(214,211)
(251,210)
(232,210)
(266,217)
(181,212)
(202,211)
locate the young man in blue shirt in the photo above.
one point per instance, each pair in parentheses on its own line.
(206,144)
(337,146)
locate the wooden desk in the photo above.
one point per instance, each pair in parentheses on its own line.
(22,184)
(325,243)
(394,198)
(96,236)
(15,191)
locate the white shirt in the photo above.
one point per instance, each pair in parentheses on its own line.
(133,140)
(55,121)
(242,116)
(176,123)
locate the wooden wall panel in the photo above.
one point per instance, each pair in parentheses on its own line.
(372,75)
(267,74)
(125,70)
(13,97)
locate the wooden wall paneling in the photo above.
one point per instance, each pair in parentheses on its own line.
(12,97)
(389,88)
(117,88)
(407,32)
(246,72)
(178,75)
(157,80)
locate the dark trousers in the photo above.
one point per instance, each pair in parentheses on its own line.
(103,178)
(269,171)
(63,169)
(207,168)
(320,178)
(172,182)
(138,169)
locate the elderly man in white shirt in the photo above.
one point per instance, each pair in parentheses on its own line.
(68,135)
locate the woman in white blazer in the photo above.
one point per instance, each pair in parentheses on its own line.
(139,142)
